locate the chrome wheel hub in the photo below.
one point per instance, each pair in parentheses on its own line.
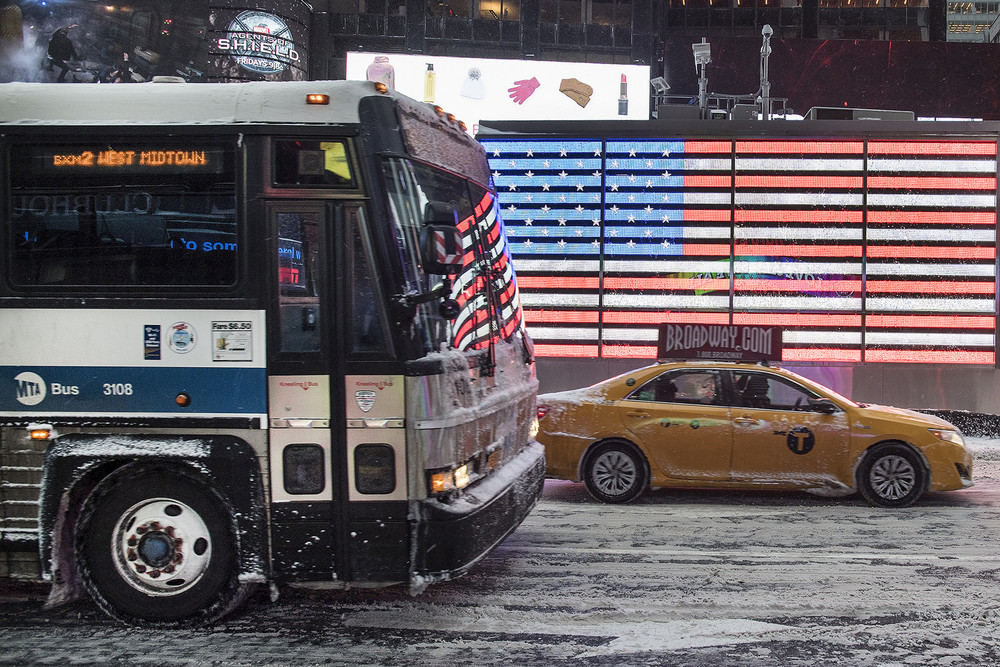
(161,547)
(614,473)
(893,477)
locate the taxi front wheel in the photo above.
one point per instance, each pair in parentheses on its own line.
(615,473)
(891,475)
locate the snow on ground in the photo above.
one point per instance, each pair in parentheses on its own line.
(678,578)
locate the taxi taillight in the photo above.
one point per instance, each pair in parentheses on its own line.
(542,410)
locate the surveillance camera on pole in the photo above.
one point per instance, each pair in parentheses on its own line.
(765,85)
(702,56)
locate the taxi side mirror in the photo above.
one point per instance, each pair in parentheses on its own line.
(823,406)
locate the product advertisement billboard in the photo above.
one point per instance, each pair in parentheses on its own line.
(492,89)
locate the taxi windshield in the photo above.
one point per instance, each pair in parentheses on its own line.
(821,388)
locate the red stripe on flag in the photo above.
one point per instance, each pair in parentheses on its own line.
(787,182)
(691,181)
(802,147)
(929,287)
(706,249)
(933,217)
(772,250)
(821,216)
(929,356)
(783,285)
(560,316)
(559,282)
(817,354)
(708,147)
(930,252)
(799,319)
(932,148)
(629,351)
(932,182)
(706,215)
(930,322)
(554,350)
(637,283)
(645,317)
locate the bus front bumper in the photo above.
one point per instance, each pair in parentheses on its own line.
(455,536)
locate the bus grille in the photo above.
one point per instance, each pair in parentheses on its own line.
(21,461)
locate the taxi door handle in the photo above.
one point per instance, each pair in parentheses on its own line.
(746,420)
(638,414)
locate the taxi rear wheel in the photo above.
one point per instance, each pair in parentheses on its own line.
(615,473)
(891,475)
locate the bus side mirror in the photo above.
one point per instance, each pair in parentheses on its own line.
(441,249)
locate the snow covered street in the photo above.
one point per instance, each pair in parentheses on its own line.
(679,578)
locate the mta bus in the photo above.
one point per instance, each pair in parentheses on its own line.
(252,333)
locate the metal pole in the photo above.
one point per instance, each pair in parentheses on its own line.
(765,85)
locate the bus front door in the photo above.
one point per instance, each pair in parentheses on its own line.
(304,373)
(339,509)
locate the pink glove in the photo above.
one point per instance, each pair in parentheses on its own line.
(523,89)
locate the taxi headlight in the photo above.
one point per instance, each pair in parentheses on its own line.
(947,436)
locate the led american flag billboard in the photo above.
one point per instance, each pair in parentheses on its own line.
(865,249)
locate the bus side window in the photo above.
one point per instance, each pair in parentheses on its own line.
(298,262)
(367,332)
(303,163)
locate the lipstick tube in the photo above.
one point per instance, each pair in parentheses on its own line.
(623,98)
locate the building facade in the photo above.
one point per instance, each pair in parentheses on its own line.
(625,31)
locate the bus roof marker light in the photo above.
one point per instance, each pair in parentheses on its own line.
(317,98)
(41,431)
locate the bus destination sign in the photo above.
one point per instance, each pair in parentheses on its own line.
(54,160)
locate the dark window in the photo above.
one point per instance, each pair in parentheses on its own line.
(303,469)
(759,390)
(123,213)
(691,387)
(374,469)
(367,333)
(298,264)
(321,164)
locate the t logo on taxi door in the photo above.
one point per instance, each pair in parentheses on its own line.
(800,440)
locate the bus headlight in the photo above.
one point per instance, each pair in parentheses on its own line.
(452,479)
(442,482)
(533,430)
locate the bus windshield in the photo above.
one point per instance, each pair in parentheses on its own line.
(485,288)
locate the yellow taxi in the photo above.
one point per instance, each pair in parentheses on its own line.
(738,425)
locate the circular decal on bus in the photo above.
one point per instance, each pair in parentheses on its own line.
(181,337)
(29,388)
(260,42)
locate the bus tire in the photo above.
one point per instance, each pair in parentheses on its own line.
(157,546)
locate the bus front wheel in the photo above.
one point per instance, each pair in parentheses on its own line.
(157,546)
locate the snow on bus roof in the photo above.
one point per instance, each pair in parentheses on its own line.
(180,103)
